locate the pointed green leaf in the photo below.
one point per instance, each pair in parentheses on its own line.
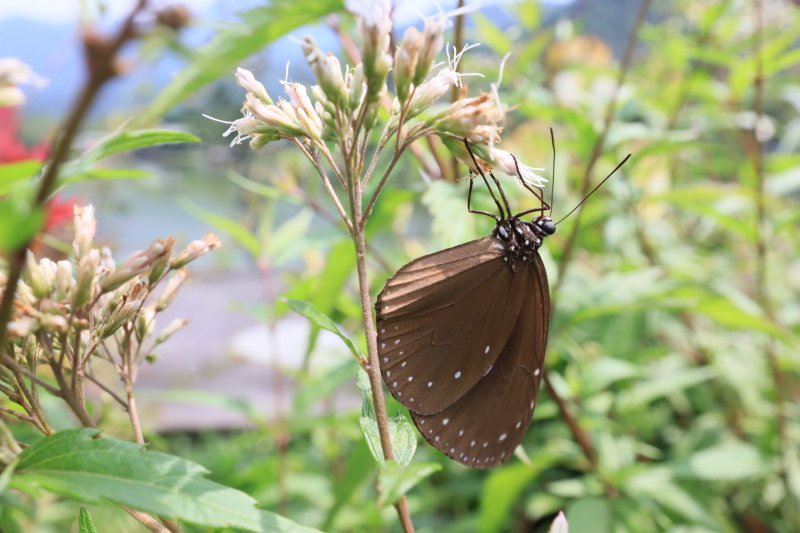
(322,320)
(85,522)
(74,464)
(395,480)
(238,232)
(231,46)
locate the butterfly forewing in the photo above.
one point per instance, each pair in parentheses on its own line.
(484,426)
(443,321)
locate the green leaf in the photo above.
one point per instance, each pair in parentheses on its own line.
(74,464)
(494,37)
(105,174)
(401,433)
(447,203)
(665,384)
(83,168)
(404,439)
(728,461)
(395,480)
(269,192)
(11,173)
(321,320)
(589,514)
(237,231)
(656,483)
(373,437)
(127,141)
(231,46)
(503,488)
(286,242)
(5,476)
(357,470)
(85,522)
(19,219)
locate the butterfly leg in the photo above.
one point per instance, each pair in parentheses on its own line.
(486,181)
(469,203)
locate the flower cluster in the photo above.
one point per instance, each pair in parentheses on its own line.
(93,296)
(346,101)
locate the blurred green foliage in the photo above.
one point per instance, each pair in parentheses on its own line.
(675,332)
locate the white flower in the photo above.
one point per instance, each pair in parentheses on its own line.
(508,164)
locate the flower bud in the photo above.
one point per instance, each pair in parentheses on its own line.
(145,322)
(85,228)
(64,282)
(275,117)
(430,91)
(374,25)
(196,249)
(37,277)
(22,327)
(86,276)
(171,290)
(326,69)
(356,86)
(137,264)
(161,264)
(432,41)
(54,322)
(170,330)
(249,83)
(406,58)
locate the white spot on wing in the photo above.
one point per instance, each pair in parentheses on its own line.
(396,342)
(385,359)
(502,437)
(430,384)
(383,330)
(394,384)
(410,378)
(537,372)
(388,373)
(437,438)
(445,421)
(383,345)
(457,374)
(460,432)
(402,364)
(519,424)
(472,444)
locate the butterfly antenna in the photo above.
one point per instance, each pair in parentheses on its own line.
(595,189)
(552,171)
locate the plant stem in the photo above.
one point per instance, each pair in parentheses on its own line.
(761,281)
(373,368)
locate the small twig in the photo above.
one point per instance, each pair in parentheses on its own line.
(107,390)
(326,182)
(761,245)
(581,437)
(597,149)
(382,182)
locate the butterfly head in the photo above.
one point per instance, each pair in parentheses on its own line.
(546,225)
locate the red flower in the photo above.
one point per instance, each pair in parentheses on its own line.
(12,148)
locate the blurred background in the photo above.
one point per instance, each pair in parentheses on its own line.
(674,337)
